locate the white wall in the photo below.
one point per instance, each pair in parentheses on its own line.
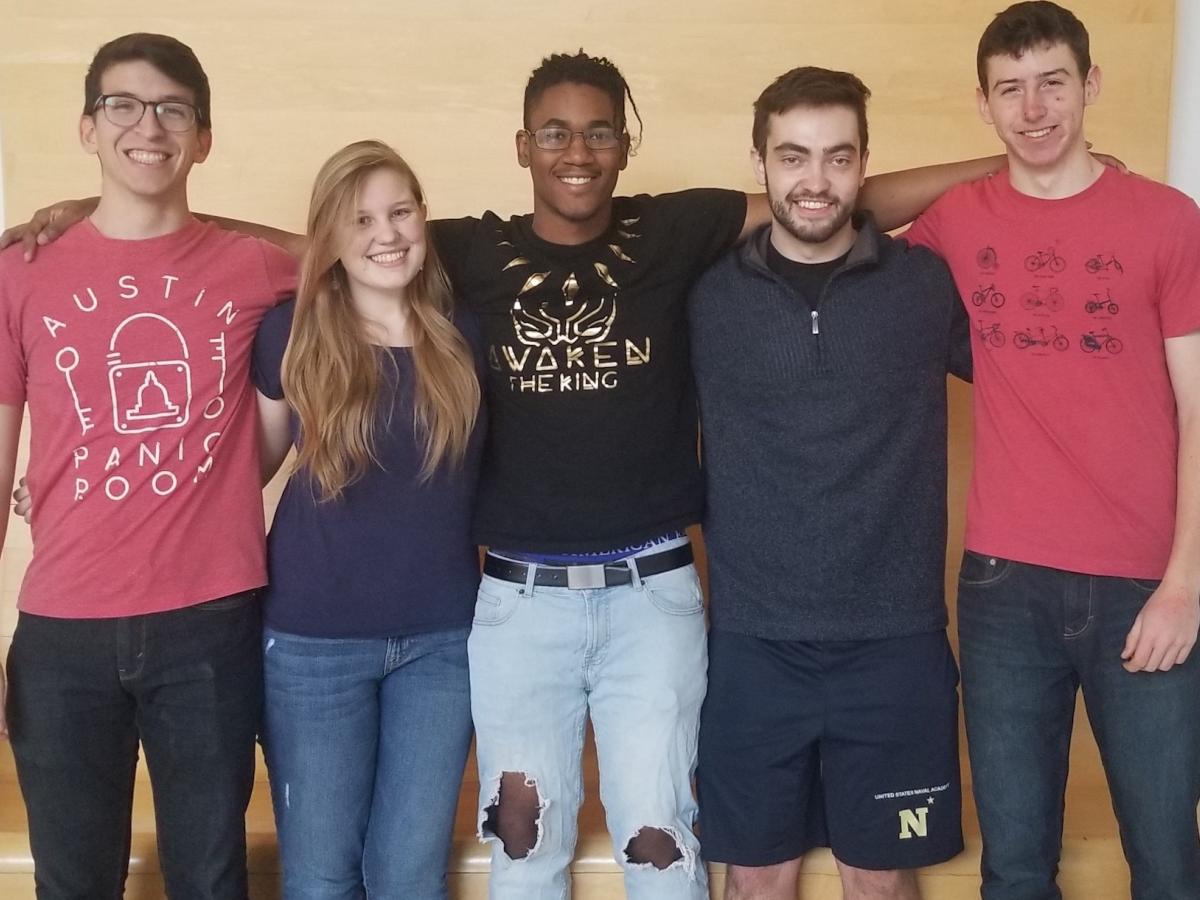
(1183,166)
(3,221)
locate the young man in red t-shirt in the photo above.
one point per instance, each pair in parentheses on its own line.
(130,344)
(1082,567)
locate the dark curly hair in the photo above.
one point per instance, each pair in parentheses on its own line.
(581,68)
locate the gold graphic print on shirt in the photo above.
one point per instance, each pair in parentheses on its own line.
(563,324)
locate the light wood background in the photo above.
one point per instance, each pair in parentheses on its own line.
(293,80)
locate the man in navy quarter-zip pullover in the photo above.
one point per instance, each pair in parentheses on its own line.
(821,349)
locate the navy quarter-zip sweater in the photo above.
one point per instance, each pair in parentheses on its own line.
(824,441)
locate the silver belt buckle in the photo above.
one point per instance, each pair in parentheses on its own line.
(584,577)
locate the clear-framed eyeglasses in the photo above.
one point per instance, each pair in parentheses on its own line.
(124,111)
(555,137)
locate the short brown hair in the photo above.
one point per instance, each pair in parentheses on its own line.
(1024,26)
(173,58)
(810,86)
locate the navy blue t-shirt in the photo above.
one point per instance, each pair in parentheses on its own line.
(393,555)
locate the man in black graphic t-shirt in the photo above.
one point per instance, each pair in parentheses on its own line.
(590,605)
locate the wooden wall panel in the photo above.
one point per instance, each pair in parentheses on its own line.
(295,79)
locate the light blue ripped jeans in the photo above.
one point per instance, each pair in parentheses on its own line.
(633,657)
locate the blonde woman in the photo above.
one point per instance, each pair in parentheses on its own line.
(372,375)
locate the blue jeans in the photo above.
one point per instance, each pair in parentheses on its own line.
(634,657)
(365,743)
(83,692)
(1029,638)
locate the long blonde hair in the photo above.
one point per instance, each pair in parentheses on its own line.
(333,374)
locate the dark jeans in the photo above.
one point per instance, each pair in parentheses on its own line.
(1029,638)
(83,692)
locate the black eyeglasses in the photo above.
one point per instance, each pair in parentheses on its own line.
(124,111)
(555,137)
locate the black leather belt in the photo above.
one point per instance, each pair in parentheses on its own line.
(596,576)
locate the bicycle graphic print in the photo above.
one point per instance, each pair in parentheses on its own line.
(1097,341)
(986,259)
(1027,338)
(1102,304)
(1044,259)
(1100,263)
(988,294)
(1053,301)
(990,336)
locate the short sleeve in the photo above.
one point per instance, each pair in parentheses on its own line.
(453,239)
(13,370)
(926,231)
(282,270)
(943,294)
(704,221)
(467,322)
(269,346)
(1179,272)
(959,361)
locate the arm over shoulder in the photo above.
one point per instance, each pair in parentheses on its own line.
(710,220)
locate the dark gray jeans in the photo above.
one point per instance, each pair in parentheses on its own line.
(1029,638)
(187,684)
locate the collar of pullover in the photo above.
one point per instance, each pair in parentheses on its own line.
(865,252)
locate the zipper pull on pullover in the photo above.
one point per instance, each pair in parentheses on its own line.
(816,328)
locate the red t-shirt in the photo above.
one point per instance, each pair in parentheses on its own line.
(134,358)
(1070,300)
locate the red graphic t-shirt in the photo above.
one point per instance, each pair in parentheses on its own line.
(134,359)
(1070,300)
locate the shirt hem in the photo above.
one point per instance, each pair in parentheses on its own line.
(776,632)
(100,609)
(526,544)
(1140,569)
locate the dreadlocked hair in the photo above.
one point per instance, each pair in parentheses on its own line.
(580,68)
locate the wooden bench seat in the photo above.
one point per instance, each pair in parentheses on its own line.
(1093,867)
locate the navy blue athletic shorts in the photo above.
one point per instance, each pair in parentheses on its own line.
(851,745)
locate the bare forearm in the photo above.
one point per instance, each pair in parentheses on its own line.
(1183,567)
(274,435)
(295,244)
(10,432)
(896,198)
(1183,365)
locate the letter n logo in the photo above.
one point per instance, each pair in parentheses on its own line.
(912,822)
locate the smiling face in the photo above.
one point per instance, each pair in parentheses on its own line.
(572,188)
(383,246)
(143,160)
(1035,102)
(812,168)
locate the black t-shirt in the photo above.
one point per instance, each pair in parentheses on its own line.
(806,279)
(592,429)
